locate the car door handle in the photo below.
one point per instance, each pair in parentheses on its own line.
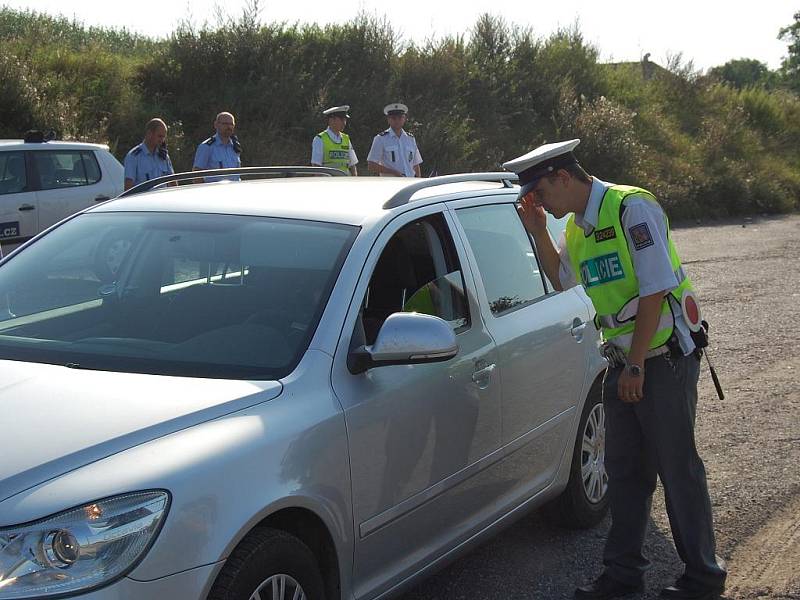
(578,328)
(27,207)
(102,199)
(482,377)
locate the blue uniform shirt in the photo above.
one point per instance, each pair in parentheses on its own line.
(143,165)
(213,154)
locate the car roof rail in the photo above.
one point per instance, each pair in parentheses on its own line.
(404,196)
(288,171)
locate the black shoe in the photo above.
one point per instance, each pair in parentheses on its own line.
(686,589)
(604,587)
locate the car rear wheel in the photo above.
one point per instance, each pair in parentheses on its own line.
(584,502)
(269,564)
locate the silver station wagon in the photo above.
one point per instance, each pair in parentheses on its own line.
(299,387)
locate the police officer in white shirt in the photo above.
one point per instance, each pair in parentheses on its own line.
(332,148)
(394,152)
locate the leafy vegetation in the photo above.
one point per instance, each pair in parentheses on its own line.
(723,143)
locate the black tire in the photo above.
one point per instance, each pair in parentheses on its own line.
(263,554)
(574,508)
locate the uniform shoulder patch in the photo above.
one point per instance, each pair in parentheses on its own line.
(136,151)
(601,235)
(409,134)
(209,141)
(384,132)
(640,236)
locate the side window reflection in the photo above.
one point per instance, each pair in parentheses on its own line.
(506,261)
(418,271)
(443,297)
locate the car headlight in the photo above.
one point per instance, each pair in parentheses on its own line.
(81,548)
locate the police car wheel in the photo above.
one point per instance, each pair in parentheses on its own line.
(584,502)
(269,563)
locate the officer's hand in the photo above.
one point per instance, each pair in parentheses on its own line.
(630,388)
(533,216)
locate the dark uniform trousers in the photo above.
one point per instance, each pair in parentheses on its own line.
(655,436)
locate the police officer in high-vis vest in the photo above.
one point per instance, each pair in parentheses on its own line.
(332,147)
(149,159)
(617,244)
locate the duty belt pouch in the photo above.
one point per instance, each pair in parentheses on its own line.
(700,337)
(613,354)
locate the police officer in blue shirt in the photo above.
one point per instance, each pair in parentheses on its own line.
(149,159)
(222,150)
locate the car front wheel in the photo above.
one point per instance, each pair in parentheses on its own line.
(269,564)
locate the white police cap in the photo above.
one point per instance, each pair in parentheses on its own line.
(540,162)
(396,108)
(335,111)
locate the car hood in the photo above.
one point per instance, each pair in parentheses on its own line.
(55,419)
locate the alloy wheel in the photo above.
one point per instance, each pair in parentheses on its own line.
(593,453)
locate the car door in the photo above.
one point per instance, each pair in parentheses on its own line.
(422,438)
(68,182)
(538,334)
(18,214)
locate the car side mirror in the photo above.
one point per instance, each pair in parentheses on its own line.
(406,339)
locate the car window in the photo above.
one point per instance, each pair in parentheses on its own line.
(198,295)
(91,166)
(13,178)
(506,261)
(418,271)
(66,168)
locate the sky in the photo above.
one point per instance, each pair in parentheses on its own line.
(707,33)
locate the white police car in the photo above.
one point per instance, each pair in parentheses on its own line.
(42,182)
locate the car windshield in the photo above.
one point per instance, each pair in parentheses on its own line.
(199,295)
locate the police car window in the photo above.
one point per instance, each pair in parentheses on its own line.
(13,178)
(65,168)
(91,166)
(418,271)
(506,261)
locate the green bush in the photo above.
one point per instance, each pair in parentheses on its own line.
(721,144)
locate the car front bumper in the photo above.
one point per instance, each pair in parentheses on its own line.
(193,584)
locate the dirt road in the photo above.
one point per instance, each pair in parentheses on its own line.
(748,276)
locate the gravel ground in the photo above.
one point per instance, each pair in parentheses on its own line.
(746,273)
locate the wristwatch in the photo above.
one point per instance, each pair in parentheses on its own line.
(633,370)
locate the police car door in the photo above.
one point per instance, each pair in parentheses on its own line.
(18,214)
(538,334)
(69,181)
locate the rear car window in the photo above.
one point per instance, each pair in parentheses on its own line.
(66,168)
(506,261)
